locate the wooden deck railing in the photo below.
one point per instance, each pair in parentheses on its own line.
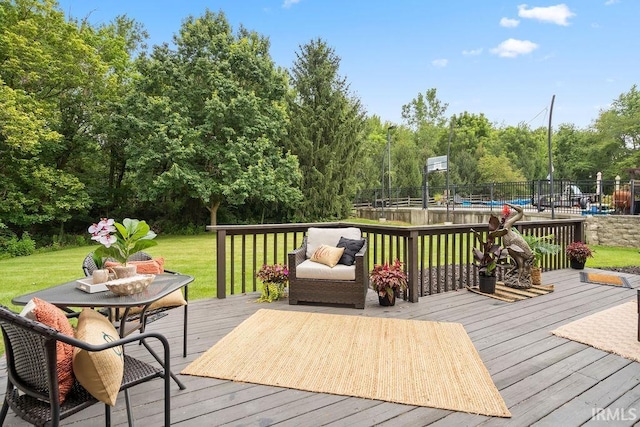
(437,258)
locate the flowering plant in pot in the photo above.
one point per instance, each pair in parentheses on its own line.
(388,279)
(489,254)
(274,278)
(121,240)
(578,252)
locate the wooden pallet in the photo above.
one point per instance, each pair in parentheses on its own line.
(505,293)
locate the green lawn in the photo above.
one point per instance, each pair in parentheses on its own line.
(193,255)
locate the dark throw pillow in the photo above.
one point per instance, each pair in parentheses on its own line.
(351,248)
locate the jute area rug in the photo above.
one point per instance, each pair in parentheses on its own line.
(604,279)
(614,330)
(403,361)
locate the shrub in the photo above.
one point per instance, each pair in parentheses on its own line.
(23,247)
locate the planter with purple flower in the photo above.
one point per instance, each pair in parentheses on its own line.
(578,252)
(274,279)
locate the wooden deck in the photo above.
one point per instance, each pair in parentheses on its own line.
(544,379)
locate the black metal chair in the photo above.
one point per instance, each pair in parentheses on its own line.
(32,381)
(148,316)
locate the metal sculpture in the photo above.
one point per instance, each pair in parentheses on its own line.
(519,276)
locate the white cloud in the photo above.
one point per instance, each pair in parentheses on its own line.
(511,48)
(558,14)
(509,23)
(610,2)
(288,3)
(440,63)
(472,52)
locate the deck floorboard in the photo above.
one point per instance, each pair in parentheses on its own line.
(545,380)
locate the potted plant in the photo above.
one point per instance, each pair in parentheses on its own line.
(578,252)
(488,255)
(540,246)
(274,279)
(120,241)
(387,280)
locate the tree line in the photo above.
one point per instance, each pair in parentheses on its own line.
(95,123)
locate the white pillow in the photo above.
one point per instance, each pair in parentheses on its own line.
(328,236)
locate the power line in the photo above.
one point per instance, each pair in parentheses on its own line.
(545,110)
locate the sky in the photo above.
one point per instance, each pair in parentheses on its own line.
(504,59)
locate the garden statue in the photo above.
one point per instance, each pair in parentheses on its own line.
(520,275)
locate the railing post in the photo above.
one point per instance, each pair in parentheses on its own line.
(221,258)
(412,260)
(578,231)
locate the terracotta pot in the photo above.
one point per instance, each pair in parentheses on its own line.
(487,284)
(536,276)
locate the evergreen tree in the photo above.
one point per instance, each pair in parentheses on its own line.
(326,133)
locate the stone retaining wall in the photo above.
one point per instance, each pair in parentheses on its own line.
(613,230)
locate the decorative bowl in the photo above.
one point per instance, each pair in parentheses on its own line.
(130,285)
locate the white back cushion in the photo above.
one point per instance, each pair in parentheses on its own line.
(329,236)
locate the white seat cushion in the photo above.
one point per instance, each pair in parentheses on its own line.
(313,270)
(329,236)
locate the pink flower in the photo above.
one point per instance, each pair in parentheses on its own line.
(276,273)
(387,277)
(101,232)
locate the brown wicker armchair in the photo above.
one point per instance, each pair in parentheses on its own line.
(328,291)
(32,381)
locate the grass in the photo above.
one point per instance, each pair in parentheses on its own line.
(192,255)
(607,256)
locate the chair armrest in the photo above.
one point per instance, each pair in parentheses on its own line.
(131,338)
(296,257)
(362,264)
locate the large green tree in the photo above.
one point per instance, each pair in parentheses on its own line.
(525,149)
(425,110)
(572,154)
(46,68)
(619,134)
(326,132)
(211,115)
(425,115)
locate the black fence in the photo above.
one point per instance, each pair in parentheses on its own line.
(591,197)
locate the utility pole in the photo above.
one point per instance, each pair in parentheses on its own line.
(553,193)
(389,154)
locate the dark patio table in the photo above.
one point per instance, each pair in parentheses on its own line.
(67,296)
